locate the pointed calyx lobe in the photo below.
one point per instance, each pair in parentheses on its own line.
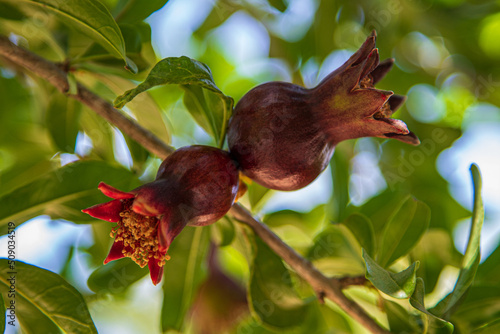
(350,105)
(196,185)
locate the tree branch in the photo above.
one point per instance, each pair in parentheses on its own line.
(325,287)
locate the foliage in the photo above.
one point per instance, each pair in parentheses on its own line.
(54,151)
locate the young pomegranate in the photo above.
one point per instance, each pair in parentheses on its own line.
(283,135)
(196,186)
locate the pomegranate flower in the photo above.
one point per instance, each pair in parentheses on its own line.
(196,186)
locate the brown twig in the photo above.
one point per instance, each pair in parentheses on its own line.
(324,286)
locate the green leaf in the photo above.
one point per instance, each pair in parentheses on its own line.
(480,305)
(406,226)
(490,328)
(309,222)
(146,110)
(223,231)
(400,320)
(183,273)
(340,177)
(271,294)
(2,315)
(258,195)
(45,302)
(398,285)
(10,12)
(62,121)
(115,276)
(136,10)
(91,18)
(472,256)
(362,228)
(187,71)
(64,192)
(417,301)
(204,106)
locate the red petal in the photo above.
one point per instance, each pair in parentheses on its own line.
(155,271)
(116,252)
(109,211)
(168,229)
(113,192)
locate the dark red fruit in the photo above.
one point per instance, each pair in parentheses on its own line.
(283,135)
(196,185)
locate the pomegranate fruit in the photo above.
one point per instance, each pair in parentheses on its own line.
(195,185)
(283,135)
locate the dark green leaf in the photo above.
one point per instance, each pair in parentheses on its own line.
(64,192)
(2,315)
(400,320)
(10,12)
(136,10)
(362,228)
(398,285)
(183,273)
(204,105)
(272,297)
(490,328)
(481,304)
(91,18)
(472,256)
(45,302)
(278,4)
(403,230)
(62,120)
(417,301)
(340,177)
(187,71)
(115,276)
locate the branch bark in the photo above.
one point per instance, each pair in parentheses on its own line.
(324,286)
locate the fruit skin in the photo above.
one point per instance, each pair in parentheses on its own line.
(195,185)
(283,135)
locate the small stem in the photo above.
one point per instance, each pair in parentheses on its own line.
(325,287)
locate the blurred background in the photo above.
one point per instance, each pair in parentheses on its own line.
(447,56)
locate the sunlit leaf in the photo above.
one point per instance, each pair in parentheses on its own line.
(398,285)
(91,18)
(472,256)
(45,302)
(186,71)
(258,195)
(403,230)
(306,221)
(64,192)
(183,273)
